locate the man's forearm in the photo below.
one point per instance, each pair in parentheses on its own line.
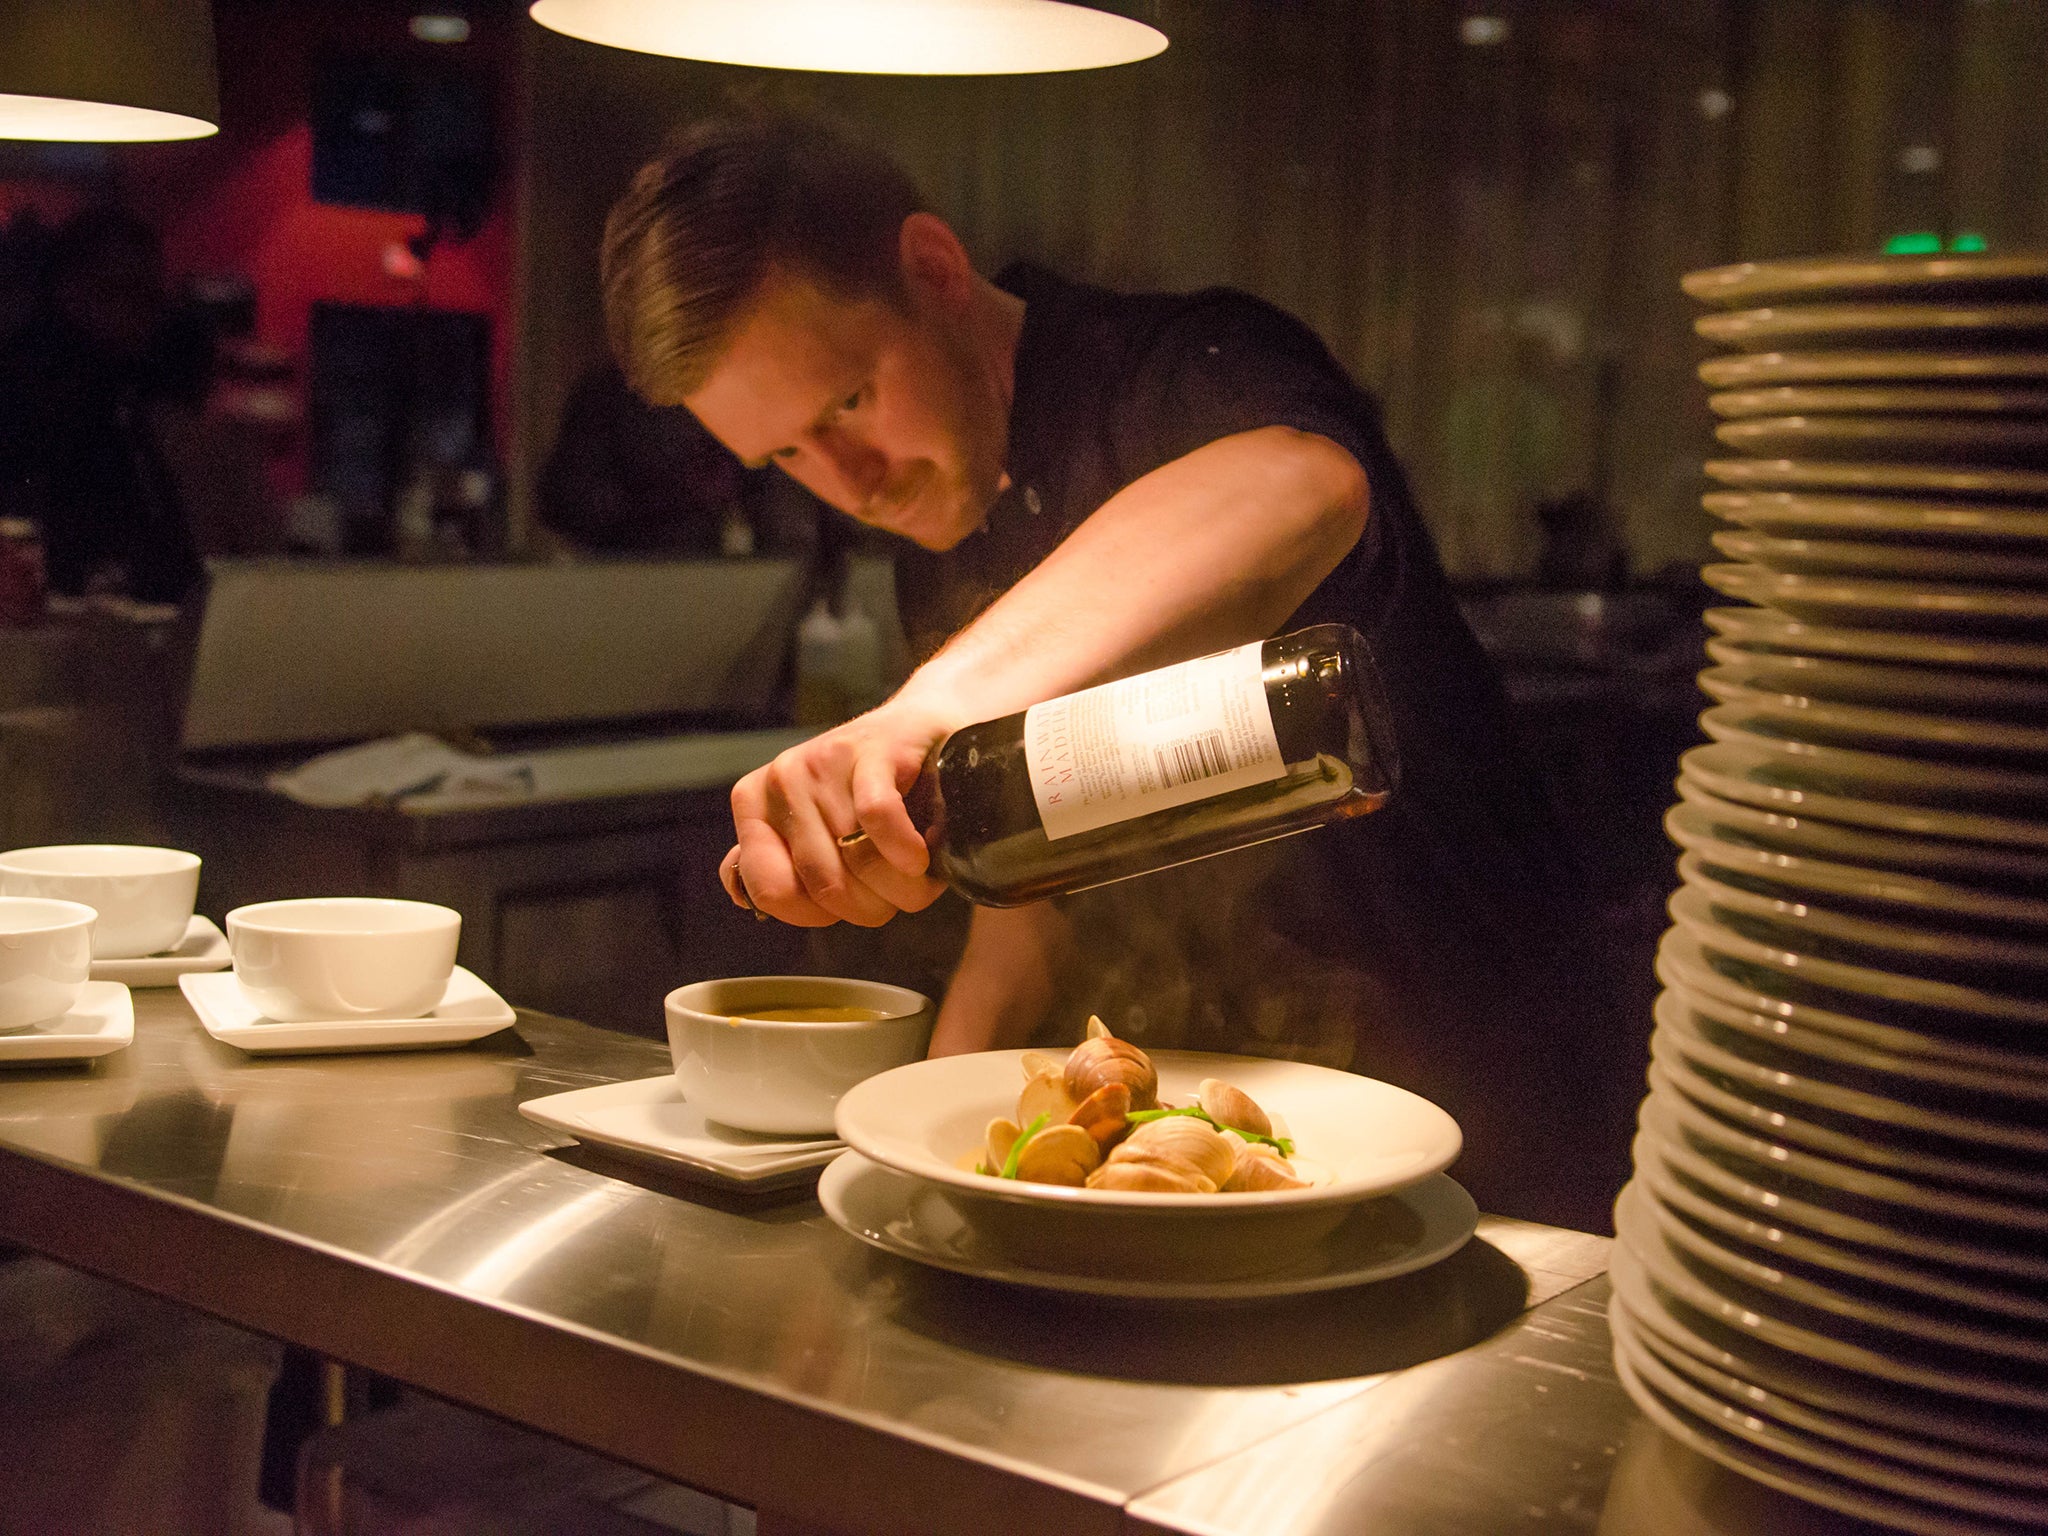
(1005,980)
(1214,549)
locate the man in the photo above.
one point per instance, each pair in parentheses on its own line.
(1095,484)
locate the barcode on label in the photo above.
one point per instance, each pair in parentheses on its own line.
(1195,757)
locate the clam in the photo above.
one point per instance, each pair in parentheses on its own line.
(1194,1142)
(1167,1176)
(996,1143)
(1059,1154)
(1230,1106)
(1104,1114)
(1262,1173)
(1103,1059)
(1046,1094)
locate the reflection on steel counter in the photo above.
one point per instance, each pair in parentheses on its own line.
(742,1345)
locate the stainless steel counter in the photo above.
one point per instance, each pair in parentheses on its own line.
(395,1212)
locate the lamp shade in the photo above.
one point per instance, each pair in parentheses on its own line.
(876,37)
(107,71)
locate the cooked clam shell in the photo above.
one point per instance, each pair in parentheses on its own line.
(1195,1142)
(1229,1105)
(1059,1154)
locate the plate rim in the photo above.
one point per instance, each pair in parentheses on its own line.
(1053,1196)
(538,1110)
(1437,1185)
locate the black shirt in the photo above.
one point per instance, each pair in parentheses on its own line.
(1423,943)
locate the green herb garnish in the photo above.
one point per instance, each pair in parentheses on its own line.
(1017,1146)
(1279,1143)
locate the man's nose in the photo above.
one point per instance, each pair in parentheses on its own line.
(858,469)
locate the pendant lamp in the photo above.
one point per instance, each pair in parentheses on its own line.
(872,37)
(107,71)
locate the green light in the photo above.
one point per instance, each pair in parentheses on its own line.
(1916,243)
(1967,243)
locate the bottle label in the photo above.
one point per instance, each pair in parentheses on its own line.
(1150,742)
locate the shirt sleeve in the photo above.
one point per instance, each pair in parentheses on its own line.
(1225,362)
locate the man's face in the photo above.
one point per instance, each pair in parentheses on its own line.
(878,411)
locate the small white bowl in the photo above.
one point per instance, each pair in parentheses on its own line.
(782,1076)
(344,957)
(143,895)
(1360,1138)
(45,958)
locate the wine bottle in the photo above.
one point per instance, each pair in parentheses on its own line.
(1200,758)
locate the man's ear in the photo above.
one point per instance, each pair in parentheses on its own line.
(936,265)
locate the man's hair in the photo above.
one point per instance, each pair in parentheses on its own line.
(730,198)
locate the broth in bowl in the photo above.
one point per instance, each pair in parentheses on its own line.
(813,1015)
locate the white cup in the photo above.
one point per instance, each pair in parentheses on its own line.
(781,1076)
(143,895)
(343,957)
(45,958)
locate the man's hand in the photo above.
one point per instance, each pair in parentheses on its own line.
(791,816)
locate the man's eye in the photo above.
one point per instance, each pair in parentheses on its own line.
(783,454)
(853,400)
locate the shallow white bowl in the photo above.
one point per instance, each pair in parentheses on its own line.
(784,1076)
(143,895)
(45,958)
(343,957)
(1361,1137)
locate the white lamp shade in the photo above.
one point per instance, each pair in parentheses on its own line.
(109,71)
(878,37)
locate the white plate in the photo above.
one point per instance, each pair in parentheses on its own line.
(468,1010)
(1768,781)
(649,1120)
(1940,1424)
(1908,947)
(1799,717)
(102,1020)
(1761,330)
(1973,399)
(1853,474)
(1759,1230)
(204,948)
(1841,1429)
(898,1214)
(1694,828)
(1969,1065)
(1753,1314)
(1372,1137)
(2013,868)
(1754,1190)
(1683,1042)
(1907,605)
(1761,629)
(1763,370)
(1937,439)
(1355,1138)
(1886,561)
(2006,1216)
(1974,1005)
(1894,520)
(1642,1211)
(1886,776)
(1955,1421)
(1887,684)
(1974,274)
(1946,1499)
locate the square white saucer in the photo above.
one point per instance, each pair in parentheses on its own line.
(468,1010)
(204,948)
(649,1120)
(102,1020)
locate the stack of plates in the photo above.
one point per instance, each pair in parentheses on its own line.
(1833,1267)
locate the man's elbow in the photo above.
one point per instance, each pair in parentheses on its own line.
(1331,490)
